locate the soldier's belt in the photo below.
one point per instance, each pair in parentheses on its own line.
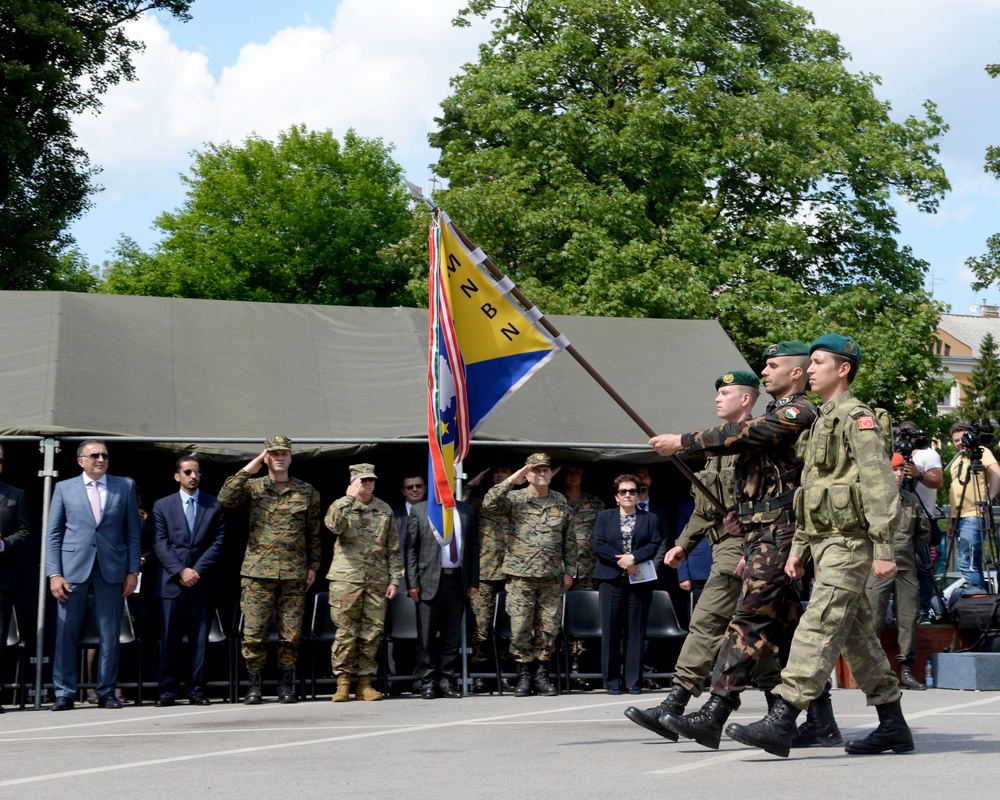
(763,506)
(715,536)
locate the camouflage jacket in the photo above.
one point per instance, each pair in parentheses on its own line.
(492,538)
(847,484)
(583,515)
(540,543)
(284,526)
(913,533)
(718,476)
(764,455)
(367,546)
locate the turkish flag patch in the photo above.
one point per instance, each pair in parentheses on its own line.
(866,423)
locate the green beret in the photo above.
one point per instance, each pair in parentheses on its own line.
(738,377)
(785,349)
(840,345)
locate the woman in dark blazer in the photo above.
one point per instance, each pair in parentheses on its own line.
(624,537)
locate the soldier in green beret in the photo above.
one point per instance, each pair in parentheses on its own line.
(282,557)
(847,511)
(766,476)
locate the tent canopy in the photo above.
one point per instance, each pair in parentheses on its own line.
(78,364)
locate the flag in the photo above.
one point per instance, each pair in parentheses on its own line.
(483,346)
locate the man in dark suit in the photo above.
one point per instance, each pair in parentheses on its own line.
(441,578)
(188,528)
(13,533)
(93,545)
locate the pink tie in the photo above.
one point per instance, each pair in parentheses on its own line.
(95,502)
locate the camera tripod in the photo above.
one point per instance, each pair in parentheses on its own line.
(986,556)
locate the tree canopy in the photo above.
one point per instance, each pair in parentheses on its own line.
(673,158)
(986,268)
(56,60)
(297,220)
(981,396)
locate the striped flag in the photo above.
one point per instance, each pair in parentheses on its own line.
(483,347)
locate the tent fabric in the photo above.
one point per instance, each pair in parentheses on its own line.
(79,364)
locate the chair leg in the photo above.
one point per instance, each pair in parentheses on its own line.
(496,663)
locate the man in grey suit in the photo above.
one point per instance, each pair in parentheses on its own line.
(188,528)
(93,545)
(441,578)
(13,533)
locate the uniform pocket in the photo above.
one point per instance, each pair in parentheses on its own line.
(845,510)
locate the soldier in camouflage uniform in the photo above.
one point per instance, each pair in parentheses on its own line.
(539,563)
(584,509)
(766,476)
(282,557)
(364,574)
(734,404)
(492,546)
(846,513)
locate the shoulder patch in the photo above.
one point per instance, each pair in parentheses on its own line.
(866,423)
(791,413)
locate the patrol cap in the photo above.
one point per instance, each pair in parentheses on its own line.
(786,349)
(362,471)
(538,460)
(897,460)
(738,378)
(839,345)
(278,442)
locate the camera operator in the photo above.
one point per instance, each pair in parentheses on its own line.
(975,478)
(924,476)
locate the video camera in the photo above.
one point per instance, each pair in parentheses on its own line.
(977,436)
(908,440)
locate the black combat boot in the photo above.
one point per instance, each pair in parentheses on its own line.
(286,687)
(705,725)
(674,703)
(892,733)
(906,679)
(769,698)
(523,688)
(773,733)
(820,727)
(254,689)
(580,684)
(543,688)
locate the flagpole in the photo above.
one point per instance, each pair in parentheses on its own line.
(623,404)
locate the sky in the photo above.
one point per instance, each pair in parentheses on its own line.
(382,68)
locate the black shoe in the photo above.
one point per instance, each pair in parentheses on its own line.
(649,718)
(449,691)
(543,687)
(773,733)
(199,700)
(63,704)
(428,693)
(906,679)
(109,701)
(613,690)
(820,728)
(523,688)
(892,733)
(165,702)
(479,686)
(705,725)
(253,697)
(286,687)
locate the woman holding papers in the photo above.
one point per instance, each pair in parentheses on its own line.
(625,539)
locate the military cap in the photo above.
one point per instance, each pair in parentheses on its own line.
(538,460)
(786,349)
(278,442)
(897,460)
(840,345)
(739,377)
(363,471)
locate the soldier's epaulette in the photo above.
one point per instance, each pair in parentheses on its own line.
(783,401)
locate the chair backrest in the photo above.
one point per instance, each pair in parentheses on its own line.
(582,614)
(401,618)
(663,622)
(501,619)
(13,632)
(91,637)
(216,633)
(322,626)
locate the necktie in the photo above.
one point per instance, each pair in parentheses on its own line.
(453,547)
(95,501)
(189,513)
(644,505)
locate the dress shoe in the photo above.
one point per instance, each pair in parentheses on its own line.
(199,700)
(428,693)
(614,690)
(63,704)
(635,690)
(479,686)
(165,702)
(108,701)
(447,690)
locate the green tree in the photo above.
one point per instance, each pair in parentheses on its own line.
(56,60)
(986,268)
(981,396)
(693,159)
(297,220)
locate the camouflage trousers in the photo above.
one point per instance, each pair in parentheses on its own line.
(262,599)
(766,613)
(483,604)
(358,611)
(534,606)
(710,620)
(838,620)
(903,585)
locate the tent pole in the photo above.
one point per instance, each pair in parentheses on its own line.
(49,448)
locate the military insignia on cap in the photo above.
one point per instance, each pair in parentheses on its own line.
(850,347)
(866,423)
(792,413)
(728,377)
(771,350)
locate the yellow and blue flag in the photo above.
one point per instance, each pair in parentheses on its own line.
(483,347)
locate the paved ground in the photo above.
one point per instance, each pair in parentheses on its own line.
(576,746)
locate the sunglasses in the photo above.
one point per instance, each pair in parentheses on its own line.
(192,471)
(414,486)
(628,491)
(96,456)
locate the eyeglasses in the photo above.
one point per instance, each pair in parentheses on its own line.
(414,486)
(192,471)
(628,491)
(96,456)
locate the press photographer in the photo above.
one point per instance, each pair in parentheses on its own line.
(975,478)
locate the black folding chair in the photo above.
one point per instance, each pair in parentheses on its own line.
(322,630)
(127,638)
(581,620)
(663,626)
(400,626)
(14,640)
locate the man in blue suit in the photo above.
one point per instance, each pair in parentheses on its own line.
(188,528)
(93,545)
